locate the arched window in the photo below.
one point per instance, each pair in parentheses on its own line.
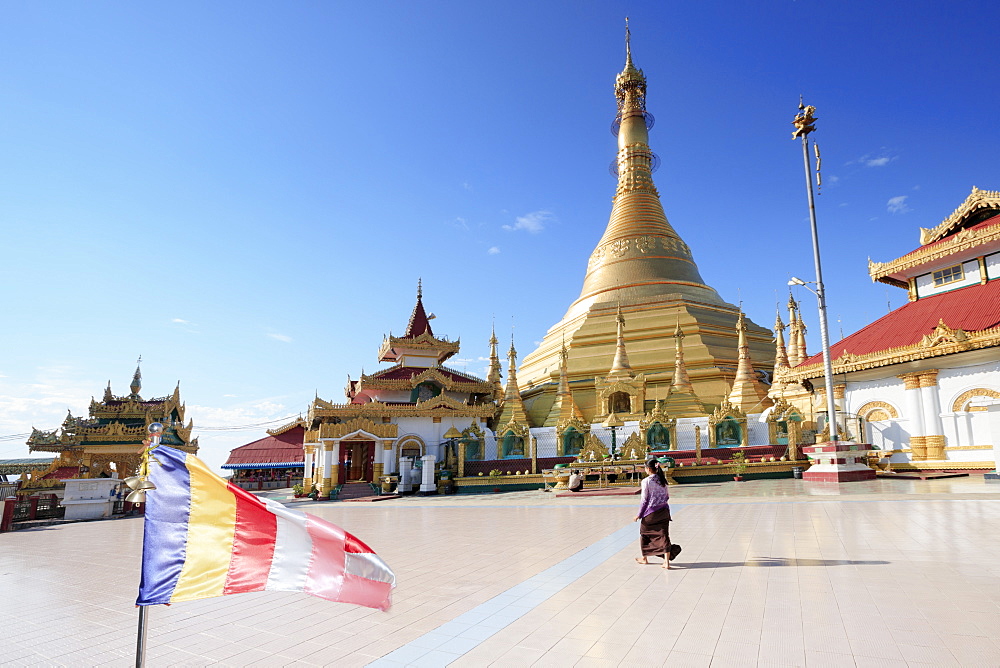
(572,442)
(658,437)
(512,445)
(619,402)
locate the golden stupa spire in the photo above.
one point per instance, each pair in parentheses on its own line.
(566,407)
(620,365)
(640,254)
(136,379)
(681,382)
(794,358)
(780,353)
(748,393)
(512,404)
(494,375)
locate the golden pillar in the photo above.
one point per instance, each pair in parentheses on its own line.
(934,439)
(329,470)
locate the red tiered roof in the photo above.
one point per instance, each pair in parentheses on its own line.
(407,372)
(972,309)
(419,322)
(284,449)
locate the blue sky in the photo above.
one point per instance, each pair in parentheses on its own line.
(245,193)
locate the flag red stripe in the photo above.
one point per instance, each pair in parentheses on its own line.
(253,544)
(352,544)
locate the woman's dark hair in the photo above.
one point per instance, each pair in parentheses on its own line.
(654,466)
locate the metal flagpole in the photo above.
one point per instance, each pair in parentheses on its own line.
(140,485)
(140,643)
(804,124)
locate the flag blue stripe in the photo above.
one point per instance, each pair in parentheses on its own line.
(166,526)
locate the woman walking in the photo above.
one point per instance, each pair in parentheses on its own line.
(654,517)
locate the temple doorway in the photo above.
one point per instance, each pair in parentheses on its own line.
(357,461)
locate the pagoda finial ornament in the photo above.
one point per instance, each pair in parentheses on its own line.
(136,379)
(748,393)
(681,382)
(794,356)
(620,365)
(513,407)
(494,375)
(780,353)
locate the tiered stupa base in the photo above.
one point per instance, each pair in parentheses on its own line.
(838,461)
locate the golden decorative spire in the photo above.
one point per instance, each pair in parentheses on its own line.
(780,353)
(494,375)
(567,408)
(136,379)
(512,404)
(748,393)
(681,382)
(620,365)
(640,254)
(794,357)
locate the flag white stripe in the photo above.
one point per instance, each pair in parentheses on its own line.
(292,550)
(369,566)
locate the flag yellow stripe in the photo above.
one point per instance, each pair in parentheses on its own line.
(211,526)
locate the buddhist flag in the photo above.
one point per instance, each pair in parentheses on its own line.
(205,537)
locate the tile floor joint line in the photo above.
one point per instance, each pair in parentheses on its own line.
(450,641)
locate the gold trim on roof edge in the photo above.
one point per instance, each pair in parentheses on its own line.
(942,341)
(977,199)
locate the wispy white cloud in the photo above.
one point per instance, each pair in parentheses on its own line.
(466,185)
(181,321)
(879,159)
(533,222)
(461,223)
(897,204)
(280,337)
(493,250)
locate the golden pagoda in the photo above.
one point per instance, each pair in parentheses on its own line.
(642,266)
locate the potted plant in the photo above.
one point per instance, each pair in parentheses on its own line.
(739,465)
(495,475)
(297,491)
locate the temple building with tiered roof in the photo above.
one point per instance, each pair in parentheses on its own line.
(918,380)
(107,442)
(413,408)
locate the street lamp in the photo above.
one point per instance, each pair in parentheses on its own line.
(804,125)
(831,408)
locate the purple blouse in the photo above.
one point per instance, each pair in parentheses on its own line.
(654,496)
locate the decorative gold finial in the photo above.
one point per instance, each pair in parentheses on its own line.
(628,44)
(804,120)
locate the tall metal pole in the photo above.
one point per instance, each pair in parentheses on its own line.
(804,125)
(140,643)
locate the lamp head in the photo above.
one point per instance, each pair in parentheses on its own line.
(796,281)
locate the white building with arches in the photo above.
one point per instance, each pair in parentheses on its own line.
(918,381)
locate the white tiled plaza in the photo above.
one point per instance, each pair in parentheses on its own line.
(781,572)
